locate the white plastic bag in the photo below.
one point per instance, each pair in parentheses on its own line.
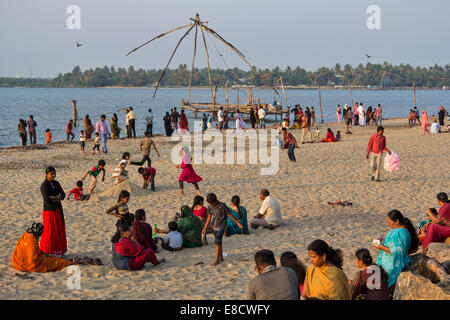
(392,162)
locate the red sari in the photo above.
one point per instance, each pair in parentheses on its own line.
(136,253)
(188,174)
(184,124)
(329,138)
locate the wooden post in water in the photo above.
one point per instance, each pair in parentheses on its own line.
(320,103)
(237,97)
(284,92)
(414,92)
(226,93)
(74,113)
(351,96)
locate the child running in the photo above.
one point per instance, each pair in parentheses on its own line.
(188,174)
(94,173)
(149,177)
(120,173)
(96,143)
(78,192)
(120,210)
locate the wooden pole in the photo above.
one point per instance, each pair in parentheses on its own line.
(237,97)
(284,92)
(250,96)
(193,60)
(74,113)
(414,92)
(320,103)
(351,96)
(226,93)
(209,69)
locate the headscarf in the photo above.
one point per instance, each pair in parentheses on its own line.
(186,156)
(36,229)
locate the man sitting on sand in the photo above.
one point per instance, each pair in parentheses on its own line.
(269,215)
(272,283)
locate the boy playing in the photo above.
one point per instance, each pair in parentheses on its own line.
(96,143)
(217,216)
(149,177)
(78,192)
(94,173)
(48,136)
(174,240)
(82,141)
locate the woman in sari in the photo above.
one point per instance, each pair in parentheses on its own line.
(240,214)
(209,121)
(167,125)
(396,247)
(88,127)
(184,124)
(128,254)
(115,130)
(438,227)
(329,136)
(21,127)
(204,120)
(363,286)
(53,242)
(324,278)
(239,122)
(28,257)
(424,121)
(190,227)
(188,174)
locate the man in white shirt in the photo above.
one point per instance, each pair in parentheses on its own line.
(362,115)
(131,123)
(262,117)
(435,127)
(220,116)
(269,215)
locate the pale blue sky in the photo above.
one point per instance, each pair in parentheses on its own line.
(270,33)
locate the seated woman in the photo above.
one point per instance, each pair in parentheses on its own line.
(371,283)
(324,278)
(240,214)
(142,231)
(329,136)
(28,257)
(199,210)
(439,227)
(288,259)
(190,227)
(401,241)
(130,255)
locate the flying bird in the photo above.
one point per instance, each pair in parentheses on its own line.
(368,57)
(79,44)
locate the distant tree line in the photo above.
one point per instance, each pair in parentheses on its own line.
(377,75)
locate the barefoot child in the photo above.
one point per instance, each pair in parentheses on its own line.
(78,192)
(120,210)
(149,177)
(174,239)
(120,173)
(96,143)
(217,216)
(188,174)
(82,141)
(94,173)
(48,136)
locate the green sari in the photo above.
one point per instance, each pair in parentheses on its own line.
(190,226)
(115,130)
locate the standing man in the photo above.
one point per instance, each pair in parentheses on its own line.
(289,143)
(220,118)
(252,117)
(262,117)
(313,116)
(69,132)
(32,129)
(377,144)
(306,128)
(145,146)
(379,114)
(417,116)
(103,131)
(149,120)
(131,123)
(356,114)
(174,116)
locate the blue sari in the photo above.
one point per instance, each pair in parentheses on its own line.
(232,227)
(399,242)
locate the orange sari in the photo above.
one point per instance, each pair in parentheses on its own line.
(28,257)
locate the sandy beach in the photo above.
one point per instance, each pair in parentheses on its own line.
(323,172)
